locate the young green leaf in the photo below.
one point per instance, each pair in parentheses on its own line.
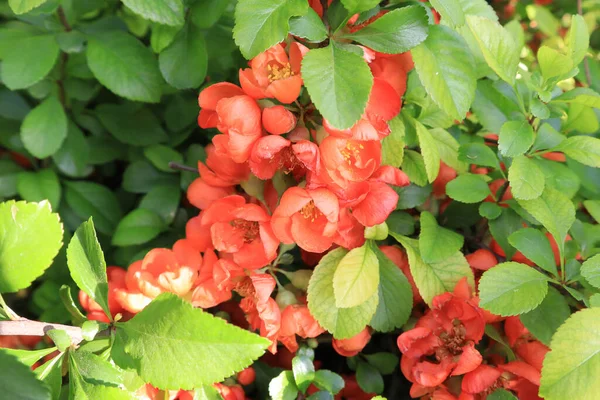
(356,277)
(89,199)
(40,185)
(61,339)
(369,378)
(429,150)
(544,320)
(395,32)
(535,246)
(339,83)
(571,368)
(553,63)
(138,227)
(526,179)
(260,24)
(358,6)
(590,270)
(85,260)
(414,166)
(81,388)
(435,242)
(170,336)
(512,288)
(448,149)
(584,149)
(343,323)
(184,63)
(304,372)
(283,387)
(516,137)
(45,128)
(18,381)
(478,154)
(584,96)
(578,39)
(392,146)
(23,6)
(451,11)
(30,238)
(309,26)
(166,12)
(492,106)
(445,67)
(28,357)
(468,188)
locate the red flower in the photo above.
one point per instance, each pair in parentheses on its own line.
(220,170)
(307,217)
(348,161)
(297,320)
(277,120)
(208,99)
(116,280)
(273,153)
(354,345)
(350,233)
(482,259)
(393,69)
(445,175)
(274,74)
(215,281)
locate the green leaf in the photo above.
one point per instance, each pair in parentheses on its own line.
(309,26)
(85,260)
(164,201)
(125,66)
(445,67)
(61,339)
(369,378)
(207,392)
(526,179)
(590,270)
(137,227)
(468,188)
(304,372)
(583,96)
(30,238)
(38,186)
(73,157)
(450,10)
(545,319)
(330,381)
(535,246)
(283,387)
(343,323)
(142,177)
(170,336)
(554,211)
(93,369)
(429,150)
(131,124)
(490,210)
(166,12)
(502,227)
(571,368)
(183,64)
(89,199)
(339,83)
(44,128)
(578,39)
(497,45)
(395,32)
(9,172)
(18,382)
(356,277)
(386,363)
(163,35)
(433,279)
(23,6)
(81,388)
(395,296)
(28,357)
(448,148)
(260,24)
(493,105)
(516,137)
(512,288)
(161,156)
(205,14)
(28,60)
(478,154)
(51,374)
(392,146)
(547,137)
(545,20)
(435,242)
(358,6)
(501,394)
(584,149)
(414,166)
(553,63)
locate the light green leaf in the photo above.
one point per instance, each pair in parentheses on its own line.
(309,26)
(125,66)
(516,137)
(535,246)
(358,6)
(339,83)
(170,336)
(554,211)
(478,154)
(429,150)
(445,67)
(163,35)
(38,186)
(82,389)
(283,387)
(85,260)
(29,357)
(546,21)
(304,372)
(553,63)
(51,374)
(44,128)
(451,11)
(30,238)
(395,32)
(89,199)
(584,149)
(435,242)
(497,45)
(137,227)
(545,319)
(583,96)
(207,392)
(260,24)
(23,6)
(448,149)
(478,7)
(183,64)
(18,382)
(343,323)
(166,12)
(547,137)
(512,288)
(395,296)
(414,166)
(526,179)
(434,278)
(571,368)
(356,277)
(468,188)
(490,210)
(590,270)
(578,39)
(95,370)
(392,146)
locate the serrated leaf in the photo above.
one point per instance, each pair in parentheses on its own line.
(434,278)
(169,336)
(450,10)
(85,260)
(578,39)
(448,149)
(583,96)
(497,45)
(184,63)
(526,179)
(309,26)
(357,6)
(553,63)
(28,357)
(516,137)
(137,227)
(339,83)
(468,188)
(535,246)
(18,382)
(392,146)
(93,369)
(512,288)
(44,128)
(478,154)
(414,166)
(23,6)
(40,185)
(356,277)
(429,150)
(89,199)
(166,12)
(30,237)
(570,369)
(545,319)
(445,67)
(435,242)
(590,270)
(395,32)
(343,323)
(584,149)
(260,24)
(82,389)
(125,66)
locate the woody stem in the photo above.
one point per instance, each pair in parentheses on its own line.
(35,328)
(182,167)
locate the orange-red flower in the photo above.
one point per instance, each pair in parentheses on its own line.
(350,232)
(445,175)
(216,280)
(275,74)
(116,280)
(277,120)
(297,320)
(347,160)
(273,153)
(307,217)
(210,97)
(354,345)
(393,69)
(398,257)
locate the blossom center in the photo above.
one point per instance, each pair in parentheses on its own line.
(277,72)
(351,152)
(310,211)
(250,229)
(288,161)
(454,340)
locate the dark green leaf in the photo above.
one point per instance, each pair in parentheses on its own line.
(131,124)
(45,128)
(183,64)
(369,378)
(536,247)
(544,320)
(138,227)
(309,26)
(18,382)
(88,199)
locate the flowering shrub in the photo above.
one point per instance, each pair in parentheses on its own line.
(393,199)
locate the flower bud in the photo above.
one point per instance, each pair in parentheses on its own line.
(285,298)
(377,232)
(301,278)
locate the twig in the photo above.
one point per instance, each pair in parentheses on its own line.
(63,19)
(64,57)
(586,62)
(34,328)
(500,193)
(181,167)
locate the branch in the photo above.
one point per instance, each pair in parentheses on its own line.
(34,328)
(63,19)
(181,167)
(586,63)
